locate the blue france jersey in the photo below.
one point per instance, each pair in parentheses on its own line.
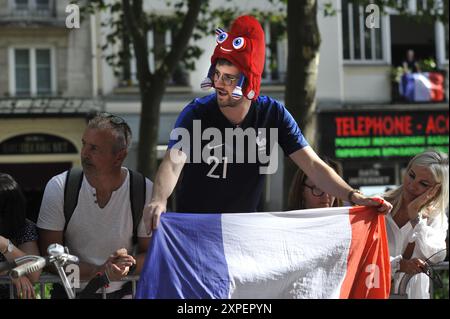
(226,164)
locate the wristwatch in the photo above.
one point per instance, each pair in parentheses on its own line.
(350,196)
(9,247)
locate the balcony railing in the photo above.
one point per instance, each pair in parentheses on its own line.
(31,12)
(51,279)
(49,105)
(26,11)
(402,289)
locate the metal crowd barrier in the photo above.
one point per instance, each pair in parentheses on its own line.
(401,293)
(441,266)
(47,278)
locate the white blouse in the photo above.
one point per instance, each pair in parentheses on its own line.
(429,236)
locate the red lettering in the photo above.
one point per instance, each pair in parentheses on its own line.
(402,125)
(442,124)
(367,124)
(393,125)
(408,125)
(388,125)
(430,126)
(347,127)
(398,125)
(353,127)
(338,121)
(378,126)
(361,131)
(343,126)
(437,125)
(370,124)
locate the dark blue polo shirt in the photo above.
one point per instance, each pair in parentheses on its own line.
(227,164)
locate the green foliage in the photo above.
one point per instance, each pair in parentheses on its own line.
(428,65)
(442,293)
(396,74)
(47,290)
(118,55)
(329,10)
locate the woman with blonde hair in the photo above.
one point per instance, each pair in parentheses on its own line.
(417,225)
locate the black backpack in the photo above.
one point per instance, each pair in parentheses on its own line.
(137,196)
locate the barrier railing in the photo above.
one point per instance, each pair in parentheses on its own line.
(51,279)
(401,291)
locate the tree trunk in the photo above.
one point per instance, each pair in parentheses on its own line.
(153,86)
(303,59)
(126,56)
(151,97)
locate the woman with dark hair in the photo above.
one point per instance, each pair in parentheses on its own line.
(303,194)
(18,235)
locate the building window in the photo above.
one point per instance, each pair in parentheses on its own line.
(159,43)
(35,7)
(32,72)
(32,4)
(276,53)
(360,43)
(43,72)
(42,5)
(22,72)
(21,5)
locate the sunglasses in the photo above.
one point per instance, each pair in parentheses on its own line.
(118,122)
(314,190)
(112,118)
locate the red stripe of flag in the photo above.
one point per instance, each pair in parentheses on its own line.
(368,269)
(437,86)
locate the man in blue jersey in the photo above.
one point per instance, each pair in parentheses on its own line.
(225,143)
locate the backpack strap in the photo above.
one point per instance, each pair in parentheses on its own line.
(72,187)
(137,200)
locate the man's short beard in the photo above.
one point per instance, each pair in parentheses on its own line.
(87,165)
(232,103)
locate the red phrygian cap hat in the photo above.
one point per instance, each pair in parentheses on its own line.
(244,46)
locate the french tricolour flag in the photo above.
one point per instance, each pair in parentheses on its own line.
(422,87)
(319,253)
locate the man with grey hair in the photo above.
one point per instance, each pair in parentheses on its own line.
(100,229)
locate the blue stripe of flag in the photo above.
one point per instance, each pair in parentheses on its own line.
(185,259)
